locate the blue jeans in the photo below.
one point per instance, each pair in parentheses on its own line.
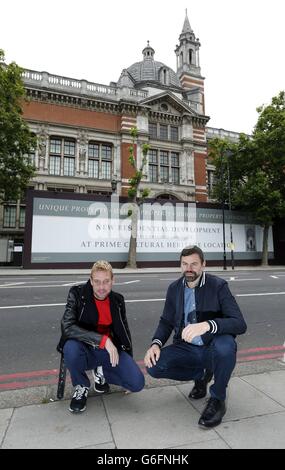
(80,357)
(185,361)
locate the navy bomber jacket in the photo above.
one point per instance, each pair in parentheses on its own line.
(214,304)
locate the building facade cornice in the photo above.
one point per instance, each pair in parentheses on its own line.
(63,99)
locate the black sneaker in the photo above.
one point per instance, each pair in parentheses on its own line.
(78,402)
(100,384)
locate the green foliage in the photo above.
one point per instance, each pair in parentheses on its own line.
(135,180)
(145,149)
(132,192)
(16,140)
(132,156)
(219,151)
(259,196)
(145,193)
(134,132)
(269,138)
(256,166)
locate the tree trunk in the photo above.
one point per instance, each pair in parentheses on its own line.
(264,261)
(132,255)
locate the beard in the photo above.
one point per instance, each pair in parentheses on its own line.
(191,277)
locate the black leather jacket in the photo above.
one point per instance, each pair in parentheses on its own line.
(80,319)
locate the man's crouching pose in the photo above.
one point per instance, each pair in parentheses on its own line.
(95,335)
(205,318)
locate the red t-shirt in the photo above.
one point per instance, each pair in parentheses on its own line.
(104,320)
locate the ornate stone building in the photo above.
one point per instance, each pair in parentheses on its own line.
(83,131)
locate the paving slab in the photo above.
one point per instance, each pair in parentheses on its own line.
(156,418)
(260,432)
(270,383)
(5,416)
(104,445)
(52,426)
(243,401)
(212,444)
(22,397)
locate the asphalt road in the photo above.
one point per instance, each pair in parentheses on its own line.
(31,308)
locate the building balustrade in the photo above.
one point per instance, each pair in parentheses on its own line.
(83,87)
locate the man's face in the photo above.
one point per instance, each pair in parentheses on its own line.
(192,267)
(102,283)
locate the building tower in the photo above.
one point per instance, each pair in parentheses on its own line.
(189,74)
(187,55)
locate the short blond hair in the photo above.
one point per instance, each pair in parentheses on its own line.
(102,265)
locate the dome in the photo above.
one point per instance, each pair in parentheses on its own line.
(149,70)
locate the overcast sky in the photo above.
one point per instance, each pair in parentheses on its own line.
(241,56)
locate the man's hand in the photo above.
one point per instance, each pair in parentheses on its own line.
(193,330)
(152,355)
(113,352)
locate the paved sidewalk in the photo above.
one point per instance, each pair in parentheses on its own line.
(159,417)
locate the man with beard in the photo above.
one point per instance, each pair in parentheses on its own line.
(205,317)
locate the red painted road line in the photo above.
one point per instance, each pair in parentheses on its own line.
(33,383)
(38,373)
(259,357)
(44,373)
(54,372)
(270,348)
(53,381)
(27,375)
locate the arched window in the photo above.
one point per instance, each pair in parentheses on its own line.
(167,196)
(164,76)
(191,55)
(181,58)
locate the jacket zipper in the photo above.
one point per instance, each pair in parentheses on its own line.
(124,326)
(81,313)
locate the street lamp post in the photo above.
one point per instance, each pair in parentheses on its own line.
(230,209)
(224,237)
(223,216)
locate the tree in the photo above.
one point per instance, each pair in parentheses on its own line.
(257,168)
(133,194)
(16,140)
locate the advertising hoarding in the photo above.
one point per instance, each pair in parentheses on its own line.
(81,230)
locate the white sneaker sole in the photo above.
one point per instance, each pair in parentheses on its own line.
(98,391)
(95,389)
(77,411)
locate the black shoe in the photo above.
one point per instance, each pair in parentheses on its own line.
(200,388)
(213,413)
(78,402)
(100,384)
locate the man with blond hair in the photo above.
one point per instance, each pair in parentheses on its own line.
(95,333)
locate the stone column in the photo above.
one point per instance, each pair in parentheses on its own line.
(81,154)
(183,167)
(187,128)
(190,167)
(43,150)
